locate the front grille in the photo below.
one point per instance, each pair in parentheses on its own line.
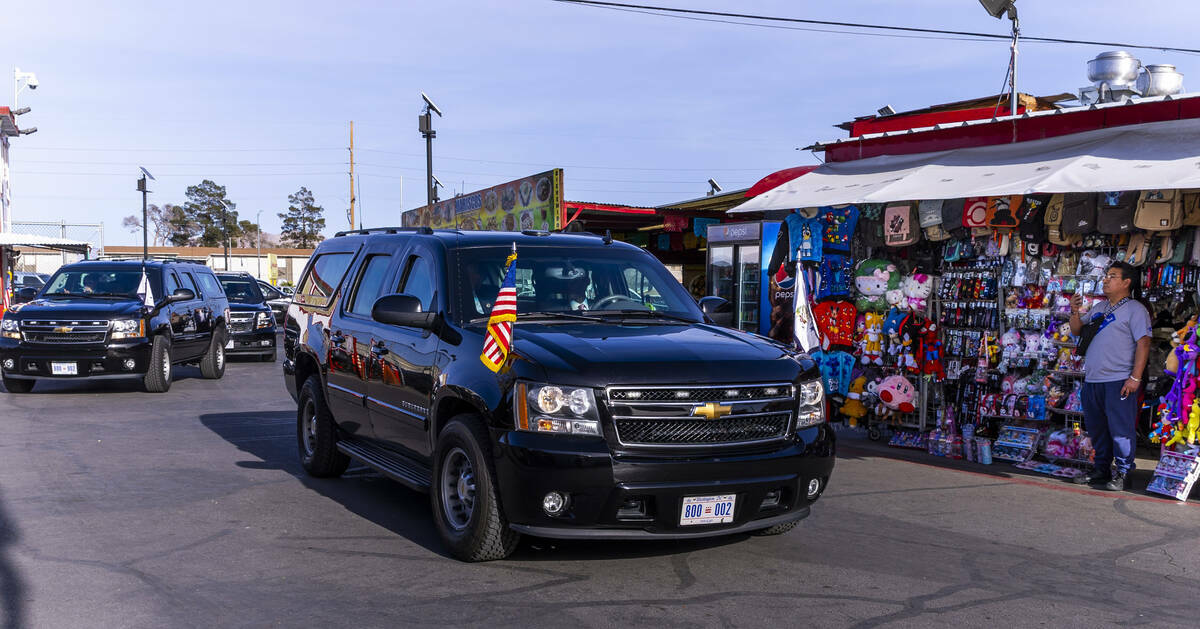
(241,323)
(674,416)
(64,332)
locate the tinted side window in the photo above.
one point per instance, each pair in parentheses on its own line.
(322,278)
(269,291)
(212,288)
(370,284)
(189,283)
(171,282)
(418,281)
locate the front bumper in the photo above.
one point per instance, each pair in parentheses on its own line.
(34,362)
(629,496)
(256,342)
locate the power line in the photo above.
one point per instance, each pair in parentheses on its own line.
(884,27)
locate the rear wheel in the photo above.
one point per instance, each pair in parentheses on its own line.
(466,503)
(316,433)
(212,366)
(17,385)
(158,372)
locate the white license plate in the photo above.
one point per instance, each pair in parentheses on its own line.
(707,510)
(229,344)
(64,369)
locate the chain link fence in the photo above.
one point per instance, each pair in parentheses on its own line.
(47,260)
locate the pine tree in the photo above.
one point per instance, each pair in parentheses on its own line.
(201,220)
(303,221)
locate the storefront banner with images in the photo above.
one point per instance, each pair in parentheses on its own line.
(533,202)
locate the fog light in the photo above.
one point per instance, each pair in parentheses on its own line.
(814,488)
(555,503)
(9,364)
(129,364)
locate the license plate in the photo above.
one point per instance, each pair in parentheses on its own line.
(64,369)
(707,510)
(229,344)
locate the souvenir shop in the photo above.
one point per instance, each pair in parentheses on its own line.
(941,324)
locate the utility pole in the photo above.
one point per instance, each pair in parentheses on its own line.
(225,229)
(425,126)
(145,229)
(352,198)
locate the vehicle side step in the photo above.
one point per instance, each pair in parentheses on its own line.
(391,464)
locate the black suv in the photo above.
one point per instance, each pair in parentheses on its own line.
(251,322)
(622,412)
(116,319)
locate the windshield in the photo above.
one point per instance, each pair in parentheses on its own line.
(94,282)
(241,291)
(31,280)
(598,281)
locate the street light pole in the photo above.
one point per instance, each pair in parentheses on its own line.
(145,228)
(425,126)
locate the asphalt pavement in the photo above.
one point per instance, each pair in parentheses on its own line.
(189,509)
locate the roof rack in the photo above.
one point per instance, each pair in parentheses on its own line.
(385,230)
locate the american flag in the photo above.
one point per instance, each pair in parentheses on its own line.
(498,341)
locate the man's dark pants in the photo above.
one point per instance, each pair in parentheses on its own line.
(1111,422)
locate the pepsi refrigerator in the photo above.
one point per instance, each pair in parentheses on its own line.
(738,255)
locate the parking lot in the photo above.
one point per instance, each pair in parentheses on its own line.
(121,508)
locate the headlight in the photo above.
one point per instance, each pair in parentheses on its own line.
(811,409)
(550,408)
(9,329)
(264,320)
(128,329)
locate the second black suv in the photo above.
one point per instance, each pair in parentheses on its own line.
(251,321)
(623,412)
(116,319)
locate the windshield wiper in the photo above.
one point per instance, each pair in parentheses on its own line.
(59,294)
(647,313)
(544,314)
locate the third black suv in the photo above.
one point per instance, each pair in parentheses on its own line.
(251,322)
(623,412)
(116,319)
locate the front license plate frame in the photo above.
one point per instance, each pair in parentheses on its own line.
(64,369)
(701,510)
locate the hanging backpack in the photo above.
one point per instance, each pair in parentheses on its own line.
(1032,218)
(900,225)
(1115,215)
(1054,209)
(929,213)
(1159,210)
(1191,207)
(1079,213)
(952,214)
(975,212)
(1001,211)
(935,233)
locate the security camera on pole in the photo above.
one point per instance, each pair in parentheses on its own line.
(425,126)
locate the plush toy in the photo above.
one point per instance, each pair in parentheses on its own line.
(931,351)
(1188,432)
(1179,335)
(1063,334)
(854,409)
(896,393)
(910,338)
(896,299)
(873,335)
(872,280)
(1033,343)
(917,288)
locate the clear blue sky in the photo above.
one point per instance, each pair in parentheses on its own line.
(636,108)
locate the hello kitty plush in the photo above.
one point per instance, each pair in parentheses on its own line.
(872,280)
(1033,344)
(896,299)
(917,288)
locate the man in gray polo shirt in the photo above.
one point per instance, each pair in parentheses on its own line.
(1113,368)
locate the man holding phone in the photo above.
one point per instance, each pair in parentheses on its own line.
(1113,369)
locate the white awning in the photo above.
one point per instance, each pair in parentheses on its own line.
(1147,156)
(9,239)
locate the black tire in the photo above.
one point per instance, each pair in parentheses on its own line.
(159,371)
(482,534)
(316,433)
(778,529)
(18,385)
(212,366)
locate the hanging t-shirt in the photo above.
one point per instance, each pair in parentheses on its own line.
(836,370)
(837,276)
(839,225)
(835,320)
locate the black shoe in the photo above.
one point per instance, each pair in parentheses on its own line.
(1119,482)
(1095,478)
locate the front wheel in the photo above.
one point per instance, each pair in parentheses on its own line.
(17,385)
(158,372)
(316,433)
(466,504)
(212,366)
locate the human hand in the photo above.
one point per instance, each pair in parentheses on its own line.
(1129,388)
(1077,303)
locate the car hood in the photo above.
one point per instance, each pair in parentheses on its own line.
(593,354)
(259,307)
(79,308)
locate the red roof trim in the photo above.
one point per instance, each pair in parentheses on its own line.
(778,178)
(570,206)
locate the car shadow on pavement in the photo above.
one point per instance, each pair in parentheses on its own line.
(270,437)
(12,586)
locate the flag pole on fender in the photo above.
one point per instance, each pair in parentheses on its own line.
(497,342)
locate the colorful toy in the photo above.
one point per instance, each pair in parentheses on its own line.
(917,288)
(931,351)
(872,280)
(897,393)
(854,409)
(872,353)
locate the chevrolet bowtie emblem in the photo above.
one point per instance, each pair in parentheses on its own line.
(65,328)
(712,411)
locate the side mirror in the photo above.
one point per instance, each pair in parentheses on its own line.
(180,294)
(26,294)
(717,309)
(405,310)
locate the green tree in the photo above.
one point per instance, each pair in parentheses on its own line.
(303,221)
(161,228)
(206,217)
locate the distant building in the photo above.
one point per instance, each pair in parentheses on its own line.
(278,265)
